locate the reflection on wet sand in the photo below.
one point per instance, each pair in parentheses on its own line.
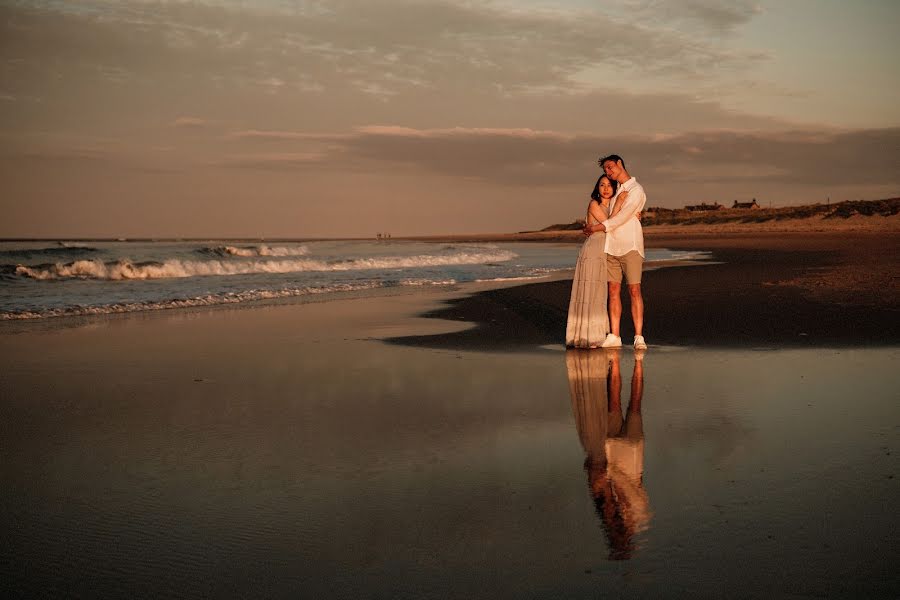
(613,443)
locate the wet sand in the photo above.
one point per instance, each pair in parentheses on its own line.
(759,290)
(352,448)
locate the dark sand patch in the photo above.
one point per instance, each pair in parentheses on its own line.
(772,290)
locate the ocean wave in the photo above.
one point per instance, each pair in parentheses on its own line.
(199,301)
(254,251)
(127,270)
(213,299)
(471,246)
(8,272)
(421,282)
(522,278)
(52,252)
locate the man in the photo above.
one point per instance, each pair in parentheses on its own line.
(624,250)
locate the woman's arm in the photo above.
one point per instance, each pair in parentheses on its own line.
(596,212)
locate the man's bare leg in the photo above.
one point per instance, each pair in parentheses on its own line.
(637,387)
(637,309)
(634,423)
(614,382)
(615,306)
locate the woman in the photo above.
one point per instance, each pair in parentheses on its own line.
(588,321)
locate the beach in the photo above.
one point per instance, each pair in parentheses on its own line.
(768,289)
(430,442)
(285,289)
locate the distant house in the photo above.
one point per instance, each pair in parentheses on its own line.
(751,205)
(704,206)
(652,212)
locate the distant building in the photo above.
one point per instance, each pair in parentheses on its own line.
(704,206)
(751,205)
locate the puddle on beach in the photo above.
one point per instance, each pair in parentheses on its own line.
(414,473)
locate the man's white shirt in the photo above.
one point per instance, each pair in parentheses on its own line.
(623,231)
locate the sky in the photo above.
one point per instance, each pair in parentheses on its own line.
(276,118)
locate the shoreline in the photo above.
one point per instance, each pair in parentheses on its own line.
(799,290)
(757,291)
(85,313)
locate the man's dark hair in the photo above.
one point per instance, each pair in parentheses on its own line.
(612,157)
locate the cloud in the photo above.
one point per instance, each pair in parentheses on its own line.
(864,157)
(546,158)
(711,16)
(321,65)
(458,132)
(190,123)
(383,47)
(256,134)
(47,151)
(273,161)
(63,155)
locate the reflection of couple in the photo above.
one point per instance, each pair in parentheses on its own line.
(615,245)
(613,444)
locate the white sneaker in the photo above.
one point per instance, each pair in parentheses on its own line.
(611,341)
(639,343)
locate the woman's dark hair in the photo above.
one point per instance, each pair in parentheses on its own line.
(619,533)
(595,193)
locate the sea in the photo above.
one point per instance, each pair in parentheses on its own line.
(47,279)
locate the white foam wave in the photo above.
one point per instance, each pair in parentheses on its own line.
(420,282)
(127,270)
(522,278)
(684,255)
(263,250)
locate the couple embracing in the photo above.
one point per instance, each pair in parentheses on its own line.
(615,246)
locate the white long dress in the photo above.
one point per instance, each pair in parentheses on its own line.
(588,321)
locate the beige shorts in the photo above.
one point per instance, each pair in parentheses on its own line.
(631,263)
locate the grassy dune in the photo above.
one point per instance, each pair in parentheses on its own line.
(839,210)
(856,215)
